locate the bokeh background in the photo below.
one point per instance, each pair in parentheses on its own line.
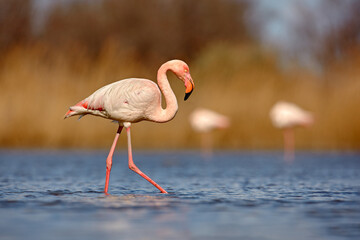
(243,56)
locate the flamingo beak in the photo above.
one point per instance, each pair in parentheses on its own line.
(189,85)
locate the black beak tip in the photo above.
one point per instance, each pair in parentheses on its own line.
(187,95)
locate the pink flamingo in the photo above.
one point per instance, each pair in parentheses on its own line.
(287,116)
(133,100)
(204,121)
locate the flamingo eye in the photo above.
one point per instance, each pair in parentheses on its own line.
(185,70)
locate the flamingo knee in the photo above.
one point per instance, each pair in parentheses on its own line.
(133,168)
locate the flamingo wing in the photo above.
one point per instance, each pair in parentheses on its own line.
(128,100)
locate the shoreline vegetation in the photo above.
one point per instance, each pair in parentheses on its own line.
(242,82)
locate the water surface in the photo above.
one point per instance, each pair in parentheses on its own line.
(233,195)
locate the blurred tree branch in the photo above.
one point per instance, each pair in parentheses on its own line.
(155,29)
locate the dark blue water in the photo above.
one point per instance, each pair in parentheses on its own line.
(234,195)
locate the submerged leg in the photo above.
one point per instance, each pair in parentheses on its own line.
(133,167)
(109,159)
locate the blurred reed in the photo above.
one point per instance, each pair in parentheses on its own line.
(242,81)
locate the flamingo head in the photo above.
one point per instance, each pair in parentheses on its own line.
(181,70)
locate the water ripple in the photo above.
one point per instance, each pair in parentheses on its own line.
(258,197)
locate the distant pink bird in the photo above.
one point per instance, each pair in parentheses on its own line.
(287,116)
(204,121)
(133,100)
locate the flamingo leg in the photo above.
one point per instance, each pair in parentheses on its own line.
(207,145)
(109,159)
(133,167)
(289,145)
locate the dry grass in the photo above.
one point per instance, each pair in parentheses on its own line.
(38,85)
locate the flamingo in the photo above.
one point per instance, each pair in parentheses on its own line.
(204,121)
(133,100)
(287,116)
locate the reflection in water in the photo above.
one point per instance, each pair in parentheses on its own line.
(156,216)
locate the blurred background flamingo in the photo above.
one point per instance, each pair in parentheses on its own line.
(286,116)
(204,121)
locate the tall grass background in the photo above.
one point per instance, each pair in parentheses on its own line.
(240,81)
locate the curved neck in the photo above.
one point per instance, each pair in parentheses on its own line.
(164,115)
